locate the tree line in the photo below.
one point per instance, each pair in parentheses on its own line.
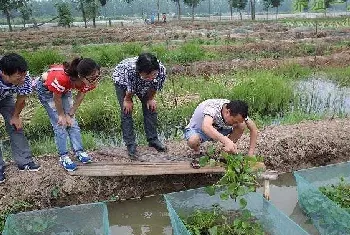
(66,10)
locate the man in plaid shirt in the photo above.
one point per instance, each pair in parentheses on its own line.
(14,79)
(142,76)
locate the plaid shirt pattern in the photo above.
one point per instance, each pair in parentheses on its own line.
(7,89)
(126,76)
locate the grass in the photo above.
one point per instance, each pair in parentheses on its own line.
(256,89)
(39,61)
(341,76)
(170,53)
(47,144)
(110,55)
(269,93)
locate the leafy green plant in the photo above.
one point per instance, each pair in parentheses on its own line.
(55,191)
(239,179)
(339,193)
(217,222)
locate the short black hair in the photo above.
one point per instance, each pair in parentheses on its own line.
(146,63)
(13,63)
(238,107)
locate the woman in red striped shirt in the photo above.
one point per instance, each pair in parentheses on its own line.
(54,90)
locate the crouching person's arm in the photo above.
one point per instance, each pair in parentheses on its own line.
(253,136)
(209,130)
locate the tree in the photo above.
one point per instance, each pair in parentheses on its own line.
(89,8)
(252,9)
(26,12)
(81,7)
(178,8)
(193,4)
(239,5)
(64,14)
(266,5)
(276,4)
(209,5)
(6,6)
(92,9)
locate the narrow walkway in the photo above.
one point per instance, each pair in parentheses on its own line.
(141,168)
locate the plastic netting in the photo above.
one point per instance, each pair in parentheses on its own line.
(88,219)
(327,216)
(182,204)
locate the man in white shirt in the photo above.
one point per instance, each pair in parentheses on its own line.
(220,120)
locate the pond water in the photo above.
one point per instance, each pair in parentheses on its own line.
(322,96)
(149,216)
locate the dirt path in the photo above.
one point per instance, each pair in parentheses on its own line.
(286,148)
(206,68)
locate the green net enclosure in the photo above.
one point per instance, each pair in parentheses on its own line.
(182,204)
(86,219)
(327,215)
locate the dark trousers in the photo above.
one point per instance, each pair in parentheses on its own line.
(19,144)
(149,119)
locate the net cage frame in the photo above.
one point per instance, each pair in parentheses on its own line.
(57,221)
(327,216)
(183,203)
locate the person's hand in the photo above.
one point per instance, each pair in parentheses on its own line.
(230,147)
(69,120)
(62,121)
(16,122)
(152,105)
(127,106)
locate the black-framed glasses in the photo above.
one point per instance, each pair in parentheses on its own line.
(93,78)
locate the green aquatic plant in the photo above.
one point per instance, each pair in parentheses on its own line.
(217,222)
(240,178)
(338,193)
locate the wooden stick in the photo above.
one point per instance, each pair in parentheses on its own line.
(267,189)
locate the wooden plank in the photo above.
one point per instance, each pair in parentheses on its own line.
(136,163)
(123,169)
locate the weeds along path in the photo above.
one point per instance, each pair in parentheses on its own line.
(286,148)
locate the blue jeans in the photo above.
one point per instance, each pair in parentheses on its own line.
(188,132)
(61,132)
